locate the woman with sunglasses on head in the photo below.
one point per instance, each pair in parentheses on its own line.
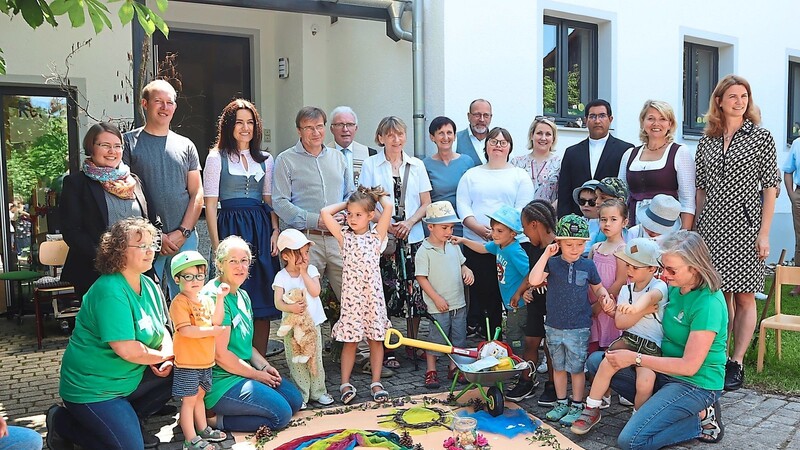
(542,163)
(238,177)
(690,372)
(482,191)
(659,165)
(117,369)
(737,185)
(102,193)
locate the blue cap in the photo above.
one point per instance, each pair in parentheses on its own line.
(509,217)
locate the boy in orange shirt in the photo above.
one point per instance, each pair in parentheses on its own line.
(196,321)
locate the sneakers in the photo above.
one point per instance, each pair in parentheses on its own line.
(524,389)
(548,397)
(734,375)
(325,399)
(557,413)
(623,401)
(432,380)
(589,418)
(606,402)
(542,368)
(574,413)
(54,440)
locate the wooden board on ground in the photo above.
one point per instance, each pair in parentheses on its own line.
(368,420)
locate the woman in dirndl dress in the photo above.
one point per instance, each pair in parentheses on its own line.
(238,175)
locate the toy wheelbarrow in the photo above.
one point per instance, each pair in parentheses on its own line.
(462,358)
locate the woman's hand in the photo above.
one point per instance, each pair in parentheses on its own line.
(762,246)
(273,243)
(620,359)
(163,369)
(269,376)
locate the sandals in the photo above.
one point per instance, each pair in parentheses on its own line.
(711,427)
(198,443)
(212,435)
(380,395)
(432,379)
(348,392)
(391,362)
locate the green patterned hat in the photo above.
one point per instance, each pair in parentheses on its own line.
(614,187)
(572,226)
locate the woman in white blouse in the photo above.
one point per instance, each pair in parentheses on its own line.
(481,191)
(659,165)
(238,174)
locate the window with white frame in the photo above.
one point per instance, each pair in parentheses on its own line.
(700,75)
(793,118)
(570,67)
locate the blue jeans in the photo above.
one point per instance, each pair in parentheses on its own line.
(20,438)
(250,404)
(161,267)
(114,424)
(669,417)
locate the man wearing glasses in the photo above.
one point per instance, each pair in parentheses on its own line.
(470,141)
(593,158)
(344,125)
(308,177)
(169,167)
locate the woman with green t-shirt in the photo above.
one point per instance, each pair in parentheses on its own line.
(117,367)
(247,391)
(691,372)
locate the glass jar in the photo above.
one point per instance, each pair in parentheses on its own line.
(465,432)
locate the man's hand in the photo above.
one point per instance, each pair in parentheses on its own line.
(171,242)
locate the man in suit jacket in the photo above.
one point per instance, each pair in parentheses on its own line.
(344,125)
(590,159)
(471,140)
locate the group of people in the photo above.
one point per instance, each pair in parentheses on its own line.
(562,246)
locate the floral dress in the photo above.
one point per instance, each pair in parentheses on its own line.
(543,174)
(363,313)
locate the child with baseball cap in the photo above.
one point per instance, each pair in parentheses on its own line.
(512,266)
(442,274)
(197,320)
(309,376)
(586,198)
(569,277)
(639,310)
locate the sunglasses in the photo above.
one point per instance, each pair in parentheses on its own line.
(550,118)
(584,201)
(192,277)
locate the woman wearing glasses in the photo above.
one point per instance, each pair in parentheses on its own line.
(247,391)
(481,191)
(117,366)
(659,165)
(737,182)
(102,193)
(542,163)
(238,176)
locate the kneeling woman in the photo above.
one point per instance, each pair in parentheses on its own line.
(117,368)
(691,372)
(247,391)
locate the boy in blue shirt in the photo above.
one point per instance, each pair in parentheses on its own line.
(512,267)
(569,313)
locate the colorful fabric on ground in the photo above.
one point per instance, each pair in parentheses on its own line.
(511,423)
(345,440)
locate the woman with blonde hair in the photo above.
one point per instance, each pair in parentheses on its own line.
(737,180)
(542,163)
(660,165)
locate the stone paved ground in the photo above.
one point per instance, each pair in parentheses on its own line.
(30,385)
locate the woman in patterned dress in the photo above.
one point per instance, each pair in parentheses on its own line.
(737,179)
(542,163)
(238,175)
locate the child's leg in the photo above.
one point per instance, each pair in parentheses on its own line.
(375,358)
(317,382)
(602,381)
(560,382)
(187,417)
(200,421)
(349,359)
(298,372)
(431,362)
(645,380)
(578,386)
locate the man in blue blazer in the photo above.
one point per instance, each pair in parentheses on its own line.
(470,141)
(593,158)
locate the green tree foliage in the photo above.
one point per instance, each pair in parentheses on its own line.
(45,159)
(38,12)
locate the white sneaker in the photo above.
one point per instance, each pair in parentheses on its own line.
(303,406)
(325,399)
(542,368)
(606,402)
(761,296)
(624,401)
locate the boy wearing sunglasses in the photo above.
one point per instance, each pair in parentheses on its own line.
(586,198)
(197,322)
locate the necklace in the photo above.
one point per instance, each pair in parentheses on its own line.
(657,148)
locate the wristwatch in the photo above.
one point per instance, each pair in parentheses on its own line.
(185,232)
(638,360)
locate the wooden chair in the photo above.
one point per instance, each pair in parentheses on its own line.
(778,322)
(51,288)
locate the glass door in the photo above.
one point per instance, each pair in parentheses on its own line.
(39,146)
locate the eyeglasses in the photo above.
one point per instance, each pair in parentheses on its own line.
(106,146)
(154,246)
(350,125)
(550,118)
(584,201)
(318,128)
(601,116)
(484,116)
(192,277)
(239,262)
(498,143)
